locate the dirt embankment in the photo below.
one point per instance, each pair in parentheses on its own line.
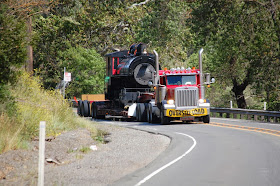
(70,161)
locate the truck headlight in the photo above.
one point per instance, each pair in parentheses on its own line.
(170,102)
(201,101)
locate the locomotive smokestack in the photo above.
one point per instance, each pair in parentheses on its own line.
(201,75)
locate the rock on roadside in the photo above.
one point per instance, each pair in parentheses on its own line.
(127,151)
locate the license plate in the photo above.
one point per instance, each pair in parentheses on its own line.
(183,113)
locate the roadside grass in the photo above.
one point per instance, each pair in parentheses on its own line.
(33,104)
(100,137)
(85,150)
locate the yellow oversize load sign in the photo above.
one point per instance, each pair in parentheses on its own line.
(190,112)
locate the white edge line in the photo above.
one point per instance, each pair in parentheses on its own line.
(170,163)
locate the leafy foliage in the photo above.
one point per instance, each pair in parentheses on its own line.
(241,39)
(53,35)
(12,48)
(34,104)
(88,69)
(164,28)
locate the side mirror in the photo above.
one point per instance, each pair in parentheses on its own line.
(207,78)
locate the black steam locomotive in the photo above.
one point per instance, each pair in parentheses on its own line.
(128,73)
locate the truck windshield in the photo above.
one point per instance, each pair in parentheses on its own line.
(181,80)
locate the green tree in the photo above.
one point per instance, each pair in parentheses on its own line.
(164,28)
(52,35)
(240,40)
(12,47)
(98,25)
(87,69)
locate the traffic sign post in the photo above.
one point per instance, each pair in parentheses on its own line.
(66,78)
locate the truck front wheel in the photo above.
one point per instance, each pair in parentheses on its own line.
(163,119)
(206,119)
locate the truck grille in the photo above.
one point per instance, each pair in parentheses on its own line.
(186,97)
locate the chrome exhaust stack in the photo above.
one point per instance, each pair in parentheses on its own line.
(157,69)
(201,75)
(156,82)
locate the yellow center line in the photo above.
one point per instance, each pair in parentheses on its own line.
(246,128)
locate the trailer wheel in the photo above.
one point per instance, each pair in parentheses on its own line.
(206,119)
(93,113)
(85,108)
(163,119)
(82,109)
(88,106)
(79,108)
(89,110)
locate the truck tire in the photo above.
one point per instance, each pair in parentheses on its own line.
(85,108)
(141,112)
(148,118)
(206,119)
(163,119)
(150,113)
(79,108)
(152,117)
(82,109)
(137,112)
(89,110)
(93,111)
(145,112)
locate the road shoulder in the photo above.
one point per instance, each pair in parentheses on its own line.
(127,151)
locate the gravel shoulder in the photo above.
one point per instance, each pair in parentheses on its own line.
(73,163)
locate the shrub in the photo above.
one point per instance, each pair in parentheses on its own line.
(32,105)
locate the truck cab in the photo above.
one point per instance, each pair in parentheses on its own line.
(179,95)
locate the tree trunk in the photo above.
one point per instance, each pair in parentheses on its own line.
(275,19)
(238,90)
(29,61)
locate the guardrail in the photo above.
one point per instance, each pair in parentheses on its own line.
(257,115)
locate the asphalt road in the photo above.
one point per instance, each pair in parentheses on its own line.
(224,152)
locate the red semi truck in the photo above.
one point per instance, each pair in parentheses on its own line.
(178,95)
(137,88)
